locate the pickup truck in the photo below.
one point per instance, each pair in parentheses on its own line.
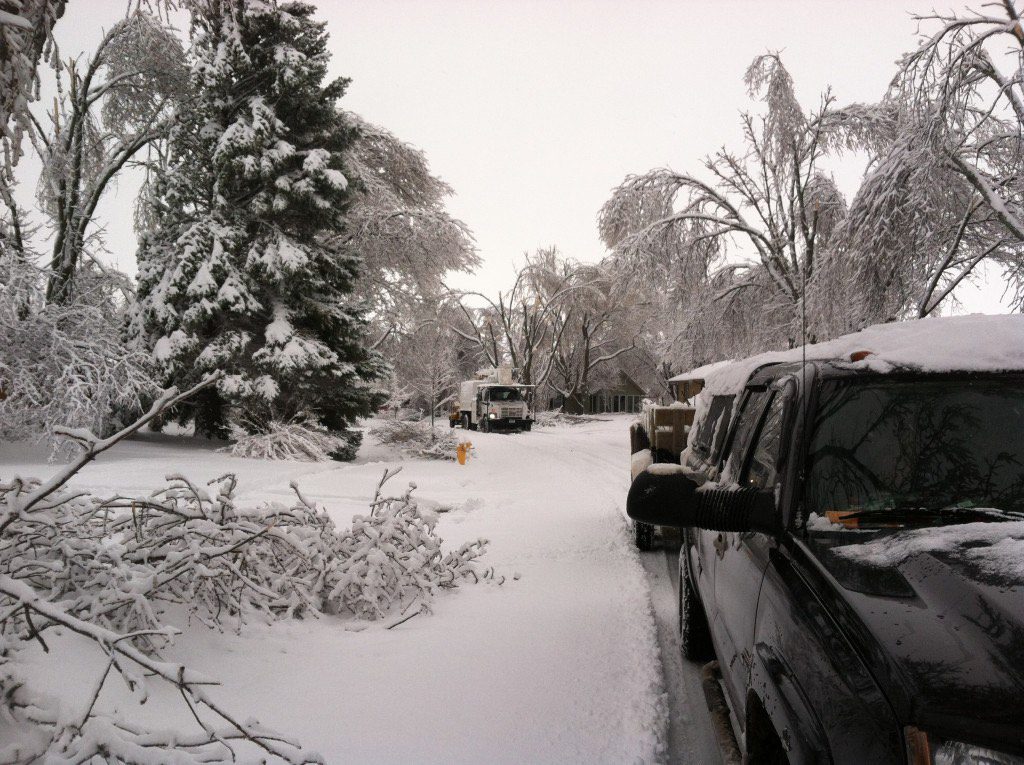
(852,559)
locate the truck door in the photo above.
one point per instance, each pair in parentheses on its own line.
(742,557)
(706,445)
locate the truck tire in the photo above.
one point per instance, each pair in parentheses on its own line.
(694,634)
(465,422)
(643,536)
(485,426)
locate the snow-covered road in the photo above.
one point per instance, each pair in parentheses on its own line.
(559,664)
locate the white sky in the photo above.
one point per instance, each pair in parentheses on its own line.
(533,110)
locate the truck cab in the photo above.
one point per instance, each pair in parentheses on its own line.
(852,527)
(493,402)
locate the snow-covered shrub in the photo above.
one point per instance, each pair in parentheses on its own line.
(63,365)
(300,439)
(416,438)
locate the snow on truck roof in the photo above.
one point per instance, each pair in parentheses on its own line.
(975,343)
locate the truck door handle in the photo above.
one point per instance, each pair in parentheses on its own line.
(720,545)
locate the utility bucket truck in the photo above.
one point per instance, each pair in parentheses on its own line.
(493,401)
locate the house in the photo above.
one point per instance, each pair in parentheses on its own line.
(621,395)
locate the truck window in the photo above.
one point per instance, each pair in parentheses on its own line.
(721,423)
(503,394)
(762,472)
(753,406)
(710,435)
(949,446)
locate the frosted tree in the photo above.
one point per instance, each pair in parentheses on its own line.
(594,324)
(61,365)
(399,226)
(106,113)
(944,187)
(769,206)
(243,271)
(25,39)
(425,364)
(64,365)
(26,27)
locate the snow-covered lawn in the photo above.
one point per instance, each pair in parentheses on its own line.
(557,664)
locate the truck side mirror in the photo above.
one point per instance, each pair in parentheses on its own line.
(672,499)
(663,499)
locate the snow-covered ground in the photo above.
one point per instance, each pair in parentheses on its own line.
(560,663)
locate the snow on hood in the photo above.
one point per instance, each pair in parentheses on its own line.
(975,343)
(996,548)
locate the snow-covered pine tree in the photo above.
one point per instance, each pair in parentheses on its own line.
(238,273)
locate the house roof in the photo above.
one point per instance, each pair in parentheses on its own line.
(629,381)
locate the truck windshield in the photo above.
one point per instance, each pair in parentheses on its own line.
(503,394)
(917,452)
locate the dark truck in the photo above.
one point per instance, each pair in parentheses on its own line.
(853,555)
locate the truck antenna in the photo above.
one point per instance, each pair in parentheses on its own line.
(803,370)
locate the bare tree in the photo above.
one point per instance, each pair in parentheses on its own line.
(519,324)
(592,324)
(425,364)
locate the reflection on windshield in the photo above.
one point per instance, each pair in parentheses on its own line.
(923,445)
(503,394)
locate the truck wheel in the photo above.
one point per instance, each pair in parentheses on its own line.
(643,536)
(527,426)
(694,635)
(465,422)
(485,426)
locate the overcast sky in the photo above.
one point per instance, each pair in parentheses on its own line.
(533,110)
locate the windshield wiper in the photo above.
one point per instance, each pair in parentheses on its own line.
(904,514)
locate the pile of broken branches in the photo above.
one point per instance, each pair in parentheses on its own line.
(108,569)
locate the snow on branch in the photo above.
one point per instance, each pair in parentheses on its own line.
(110,570)
(64,366)
(417,438)
(301,438)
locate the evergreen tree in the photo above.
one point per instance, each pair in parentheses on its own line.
(239,272)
